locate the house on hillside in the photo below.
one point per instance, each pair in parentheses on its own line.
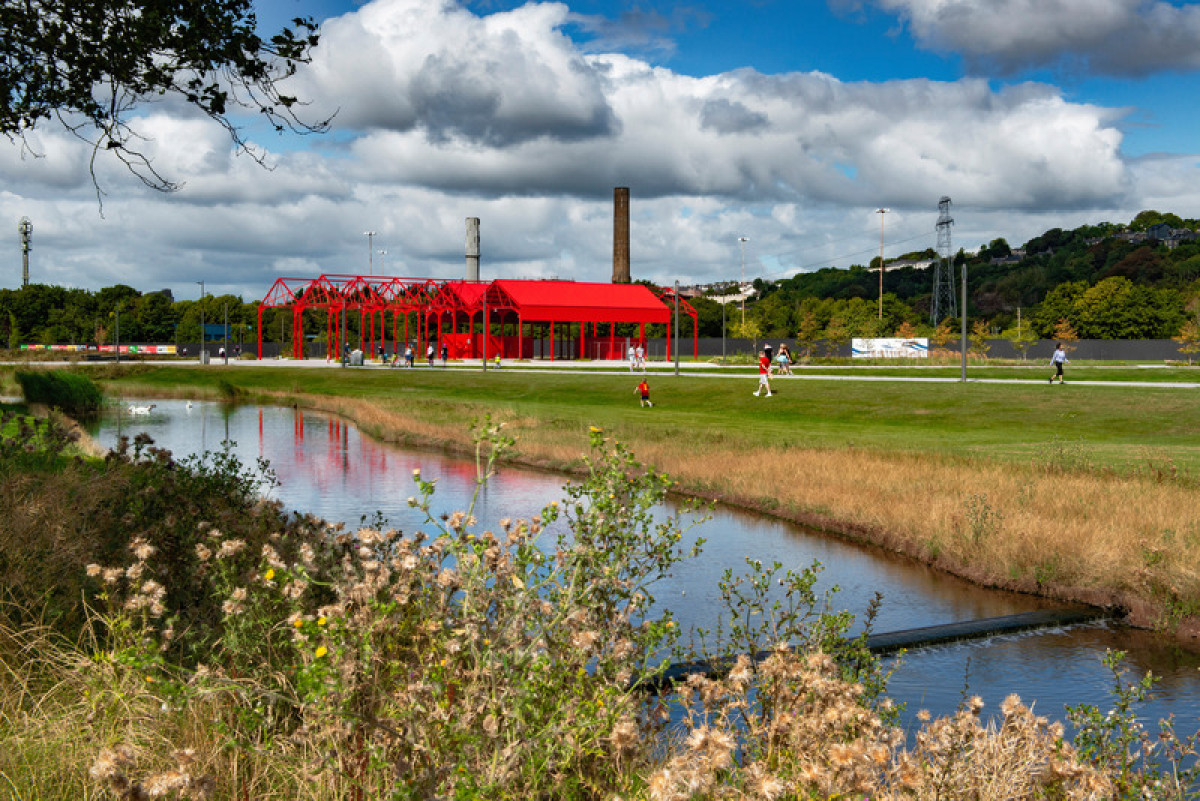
(1171,237)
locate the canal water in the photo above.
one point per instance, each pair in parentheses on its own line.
(326,467)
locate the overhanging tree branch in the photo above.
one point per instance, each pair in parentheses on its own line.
(98,60)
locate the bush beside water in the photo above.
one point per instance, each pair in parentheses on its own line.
(73,393)
(229,651)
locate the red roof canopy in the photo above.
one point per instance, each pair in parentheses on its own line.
(571,301)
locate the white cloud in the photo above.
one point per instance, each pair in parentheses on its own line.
(438,68)
(1113,37)
(447,114)
(791,137)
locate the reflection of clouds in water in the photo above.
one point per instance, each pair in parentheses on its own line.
(326,467)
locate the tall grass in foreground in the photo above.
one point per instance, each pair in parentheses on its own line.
(460,663)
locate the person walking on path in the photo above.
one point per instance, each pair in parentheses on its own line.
(632,355)
(784,359)
(640,354)
(1058,360)
(429,353)
(410,355)
(764,373)
(644,389)
(445,354)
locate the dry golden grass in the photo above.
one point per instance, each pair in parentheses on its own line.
(1092,536)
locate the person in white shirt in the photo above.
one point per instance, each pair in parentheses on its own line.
(1058,360)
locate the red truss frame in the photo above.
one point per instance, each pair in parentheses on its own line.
(425,304)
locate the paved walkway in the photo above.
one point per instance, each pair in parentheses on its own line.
(692,369)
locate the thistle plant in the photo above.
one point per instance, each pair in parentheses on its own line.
(459,661)
(494,663)
(1138,762)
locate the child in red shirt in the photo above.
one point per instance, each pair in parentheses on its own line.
(644,388)
(764,373)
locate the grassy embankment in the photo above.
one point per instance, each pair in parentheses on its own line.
(1085,493)
(230,652)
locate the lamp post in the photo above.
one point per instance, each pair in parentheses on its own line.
(882,213)
(723,302)
(382,260)
(742,287)
(370,235)
(202,351)
(964,321)
(676,298)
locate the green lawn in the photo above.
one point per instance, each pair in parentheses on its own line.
(1106,426)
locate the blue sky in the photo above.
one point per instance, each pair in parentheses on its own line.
(788,123)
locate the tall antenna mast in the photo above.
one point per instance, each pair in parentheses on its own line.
(944,304)
(25,228)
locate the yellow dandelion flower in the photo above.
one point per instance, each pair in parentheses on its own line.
(321,621)
(595,430)
(150,679)
(321,651)
(270,574)
(298,622)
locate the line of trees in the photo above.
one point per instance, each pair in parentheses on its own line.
(1097,281)
(49,315)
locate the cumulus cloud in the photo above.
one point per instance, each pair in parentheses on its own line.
(750,136)
(447,114)
(505,103)
(1111,37)
(434,66)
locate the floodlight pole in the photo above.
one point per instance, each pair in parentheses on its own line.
(202,343)
(742,286)
(723,302)
(882,213)
(964,320)
(370,235)
(676,328)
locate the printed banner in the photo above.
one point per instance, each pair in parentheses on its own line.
(890,348)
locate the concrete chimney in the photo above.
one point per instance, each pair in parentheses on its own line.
(620,273)
(472,248)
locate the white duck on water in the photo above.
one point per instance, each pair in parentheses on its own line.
(140,409)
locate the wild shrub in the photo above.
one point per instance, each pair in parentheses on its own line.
(59,513)
(455,662)
(73,393)
(494,664)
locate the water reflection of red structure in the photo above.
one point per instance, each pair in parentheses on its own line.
(519,317)
(324,462)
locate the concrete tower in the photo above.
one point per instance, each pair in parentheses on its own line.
(472,248)
(620,273)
